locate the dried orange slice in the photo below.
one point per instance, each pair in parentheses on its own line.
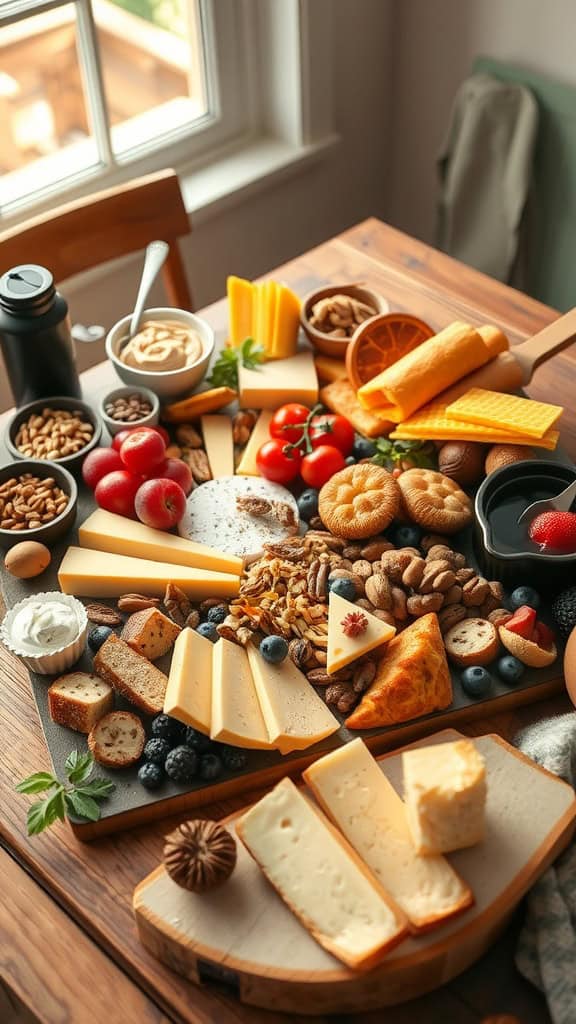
(381,341)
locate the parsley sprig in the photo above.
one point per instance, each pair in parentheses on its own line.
(390,454)
(225,369)
(79,798)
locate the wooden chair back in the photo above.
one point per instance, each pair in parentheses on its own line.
(122,220)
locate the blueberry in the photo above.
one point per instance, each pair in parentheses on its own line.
(150,775)
(510,669)
(208,629)
(308,504)
(156,750)
(217,614)
(350,460)
(363,448)
(210,767)
(407,536)
(98,636)
(198,741)
(344,588)
(234,759)
(167,728)
(476,681)
(181,764)
(524,595)
(274,649)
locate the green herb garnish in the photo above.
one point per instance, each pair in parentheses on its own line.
(405,454)
(225,369)
(79,798)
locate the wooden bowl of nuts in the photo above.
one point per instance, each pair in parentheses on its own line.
(37,502)
(331,315)
(60,429)
(129,407)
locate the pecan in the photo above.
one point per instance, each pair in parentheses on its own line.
(379,592)
(136,602)
(292,552)
(363,568)
(325,537)
(497,590)
(188,437)
(227,633)
(173,451)
(197,460)
(412,575)
(301,652)
(364,676)
(279,510)
(353,551)
(499,617)
(242,425)
(399,610)
(342,696)
(192,619)
(375,549)
(450,616)
(454,558)
(421,604)
(475,592)
(177,604)
(464,574)
(320,677)
(102,615)
(453,595)
(394,563)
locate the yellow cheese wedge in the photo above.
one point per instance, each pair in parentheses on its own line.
(270,298)
(189,691)
(328,369)
(240,298)
(354,792)
(258,314)
(236,714)
(281,380)
(105,531)
(343,649)
(261,433)
(286,323)
(86,573)
(296,717)
(219,444)
(505,412)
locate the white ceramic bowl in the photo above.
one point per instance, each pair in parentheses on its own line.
(172,383)
(115,426)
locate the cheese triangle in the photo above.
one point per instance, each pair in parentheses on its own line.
(343,649)
(413,678)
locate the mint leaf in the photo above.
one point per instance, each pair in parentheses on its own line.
(251,354)
(44,813)
(37,783)
(98,788)
(83,806)
(78,766)
(225,369)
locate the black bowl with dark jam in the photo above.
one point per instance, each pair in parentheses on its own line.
(503,548)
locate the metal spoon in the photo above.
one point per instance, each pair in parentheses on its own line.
(156,253)
(560,503)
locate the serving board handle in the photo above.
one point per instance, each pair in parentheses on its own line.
(556,336)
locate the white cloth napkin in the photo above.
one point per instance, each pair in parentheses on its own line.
(546,952)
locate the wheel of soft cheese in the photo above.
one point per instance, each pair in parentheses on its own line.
(217,514)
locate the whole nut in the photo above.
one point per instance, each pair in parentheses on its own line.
(475,592)
(353,552)
(363,568)
(399,610)
(450,616)
(440,551)
(188,437)
(437,576)
(301,652)
(364,676)
(421,604)
(394,563)
(375,549)
(379,592)
(342,696)
(412,575)
(453,595)
(384,616)
(345,574)
(430,539)
(464,575)
(497,590)
(488,605)
(500,616)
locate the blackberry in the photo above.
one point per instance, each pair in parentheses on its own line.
(233,758)
(150,775)
(197,741)
(98,636)
(167,728)
(217,614)
(564,611)
(210,767)
(156,750)
(181,764)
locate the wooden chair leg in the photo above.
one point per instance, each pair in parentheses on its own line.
(174,277)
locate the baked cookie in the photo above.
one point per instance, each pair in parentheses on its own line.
(359,501)
(435,502)
(472,642)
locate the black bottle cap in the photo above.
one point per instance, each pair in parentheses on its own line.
(27,289)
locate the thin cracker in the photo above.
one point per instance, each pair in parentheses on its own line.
(340,397)
(505,412)
(432,424)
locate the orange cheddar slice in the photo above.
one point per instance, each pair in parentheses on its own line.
(270,299)
(240,300)
(286,323)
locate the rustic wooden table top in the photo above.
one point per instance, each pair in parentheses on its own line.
(74,902)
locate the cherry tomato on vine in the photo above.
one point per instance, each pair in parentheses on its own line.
(284,418)
(321,464)
(277,462)
(333,430)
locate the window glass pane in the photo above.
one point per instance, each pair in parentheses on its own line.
(45,133)
(153,68)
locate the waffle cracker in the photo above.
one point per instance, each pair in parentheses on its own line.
(505,412)
(432,424)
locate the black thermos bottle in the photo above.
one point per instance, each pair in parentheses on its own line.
(35,336)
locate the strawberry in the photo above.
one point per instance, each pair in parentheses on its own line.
(522,622)
(543,635)
(554,531)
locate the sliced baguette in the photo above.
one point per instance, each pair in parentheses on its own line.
(117,740)
(131,674)
(79,699)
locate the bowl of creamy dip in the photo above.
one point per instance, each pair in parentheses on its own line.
(47,631)
(169,354)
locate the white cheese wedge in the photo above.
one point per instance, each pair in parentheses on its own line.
(219,444)
(278,381)
(445,794)
(261,433)
(189,691)
(320,878)
(212,515)
(342,649)
(86,573)
(105,531)
(296,717)
(353,790)
(236,714)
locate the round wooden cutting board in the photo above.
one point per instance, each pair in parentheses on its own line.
(244,937)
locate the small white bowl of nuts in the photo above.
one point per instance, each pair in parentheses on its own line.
(61,430)
(124,407)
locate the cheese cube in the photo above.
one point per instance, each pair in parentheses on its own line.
(445,795)
(189,690)
(281,380)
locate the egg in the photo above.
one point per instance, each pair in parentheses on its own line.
(570,666)
(462,461)
(27,559)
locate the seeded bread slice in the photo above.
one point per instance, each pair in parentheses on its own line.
(150,633)
(79,699)
(117,740)
(131,674)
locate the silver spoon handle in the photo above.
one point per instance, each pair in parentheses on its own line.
(156,253)
(564,500)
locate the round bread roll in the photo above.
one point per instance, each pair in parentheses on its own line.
(505,454)
(462,461)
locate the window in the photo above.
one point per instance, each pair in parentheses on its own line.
(107,89)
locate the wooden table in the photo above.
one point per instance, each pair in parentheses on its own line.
(68,905)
